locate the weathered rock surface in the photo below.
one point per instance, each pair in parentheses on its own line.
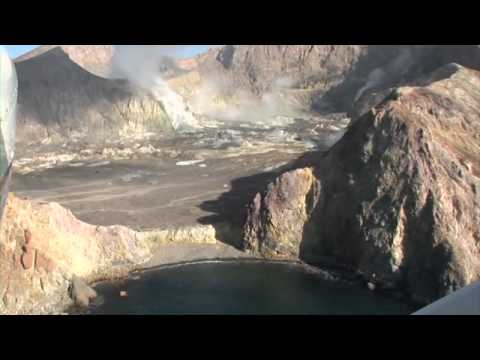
(429,59)
(396,199)
(324,78)
(47,255)
(43,246)
(60,100)
(64,93)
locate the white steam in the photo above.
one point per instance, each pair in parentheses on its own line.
(374,78)
(397,67)
(141,65)
(218,98)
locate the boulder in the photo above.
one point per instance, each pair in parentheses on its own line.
(81,293)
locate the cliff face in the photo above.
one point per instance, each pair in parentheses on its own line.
(42,245)
(428,59)
(58,100)
(338,78)
(396,199)
(64,93)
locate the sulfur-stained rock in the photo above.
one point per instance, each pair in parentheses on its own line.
(61,100)
(63,246)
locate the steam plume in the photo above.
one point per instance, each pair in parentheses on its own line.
(141,65)
(397,67)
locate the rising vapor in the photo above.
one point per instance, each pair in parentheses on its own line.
(141,65)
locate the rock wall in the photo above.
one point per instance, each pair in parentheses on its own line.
(397,199)
(64,93)
(42,245)
(325,78)
(59,101)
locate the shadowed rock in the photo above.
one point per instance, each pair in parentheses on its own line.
(396,199)
(61,101)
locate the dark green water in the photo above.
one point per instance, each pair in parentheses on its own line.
(239,288)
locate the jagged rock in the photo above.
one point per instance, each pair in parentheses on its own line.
(43,247)
(81,293)
(336,78)
(60,101)
(428,60)
(64,94)
(287,208)
(394,199)
(48,238)
(93,58)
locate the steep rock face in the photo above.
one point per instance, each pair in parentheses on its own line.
(59,100)
(42,246)
(428,59)
(323,77)
(295,76)
(397,198)
(95,59)
(63,92)
(286,206)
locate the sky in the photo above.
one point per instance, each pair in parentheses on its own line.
(17,50)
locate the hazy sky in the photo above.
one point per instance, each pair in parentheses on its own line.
(17,50)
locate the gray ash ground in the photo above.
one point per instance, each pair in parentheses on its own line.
(198,177)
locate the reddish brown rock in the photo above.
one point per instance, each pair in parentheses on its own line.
(72,247)
(50,266)
(17,260)
(398,198)
(27,259)
(41,262)
(28,236)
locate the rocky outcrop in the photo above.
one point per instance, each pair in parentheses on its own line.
(43,246)
(59,101)
(325,78)
(428,59)
(93,58)
(48,256)
(64,92)
(396,199)
(286,207)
